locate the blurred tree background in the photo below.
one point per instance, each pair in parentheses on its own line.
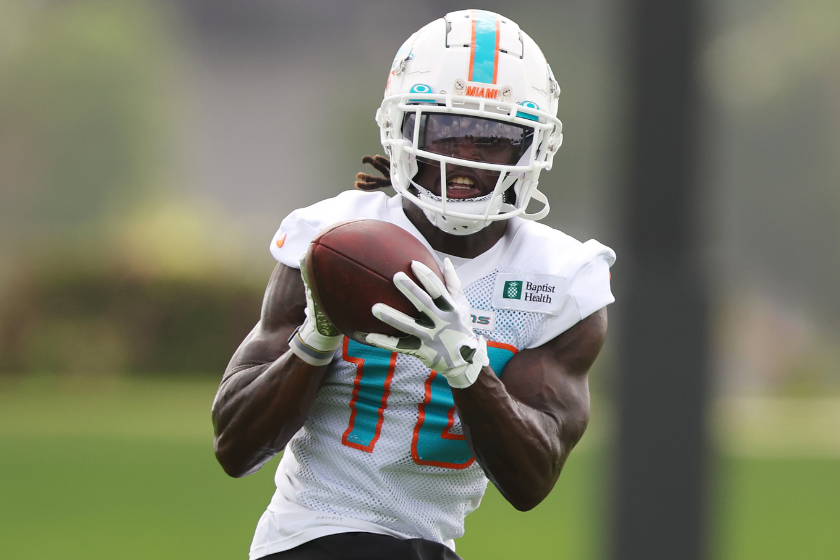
(149,150)
(107,263)
(159,144)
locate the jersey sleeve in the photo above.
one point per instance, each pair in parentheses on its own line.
(303,225)
(292,239)
(587,273)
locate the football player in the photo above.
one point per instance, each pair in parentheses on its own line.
(390,444)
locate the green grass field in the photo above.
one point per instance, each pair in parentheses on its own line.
(123,468)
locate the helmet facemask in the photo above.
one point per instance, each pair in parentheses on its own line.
(487,146)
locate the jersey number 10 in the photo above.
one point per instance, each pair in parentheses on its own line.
(432,443)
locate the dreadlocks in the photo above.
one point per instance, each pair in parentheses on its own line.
(367,182)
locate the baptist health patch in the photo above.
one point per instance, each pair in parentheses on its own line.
(539,293)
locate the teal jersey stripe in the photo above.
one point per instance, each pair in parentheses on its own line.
(484,53)
(372,390)
(499,357)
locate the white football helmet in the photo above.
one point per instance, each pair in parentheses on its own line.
(476,75)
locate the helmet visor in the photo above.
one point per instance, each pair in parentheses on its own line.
(470,138)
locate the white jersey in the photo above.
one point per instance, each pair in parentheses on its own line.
(382,449)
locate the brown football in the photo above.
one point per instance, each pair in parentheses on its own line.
(351,266)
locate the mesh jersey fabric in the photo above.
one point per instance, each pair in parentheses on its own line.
(382,449)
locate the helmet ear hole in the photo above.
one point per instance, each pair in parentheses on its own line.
(509,197)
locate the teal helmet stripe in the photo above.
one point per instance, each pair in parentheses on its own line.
(484,47)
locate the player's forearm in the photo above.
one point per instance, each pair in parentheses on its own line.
(522,450)
(259,408)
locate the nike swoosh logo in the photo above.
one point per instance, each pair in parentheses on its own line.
(280,241)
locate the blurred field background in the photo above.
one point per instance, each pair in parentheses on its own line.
(149,150)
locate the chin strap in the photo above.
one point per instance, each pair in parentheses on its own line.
(539,197)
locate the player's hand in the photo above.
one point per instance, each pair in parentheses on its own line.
(317,339)
(442,339)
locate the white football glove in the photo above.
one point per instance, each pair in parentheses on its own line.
(316,340)
(442,339)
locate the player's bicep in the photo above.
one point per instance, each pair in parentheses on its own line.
(284,303)
(553,378)
(283,310)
